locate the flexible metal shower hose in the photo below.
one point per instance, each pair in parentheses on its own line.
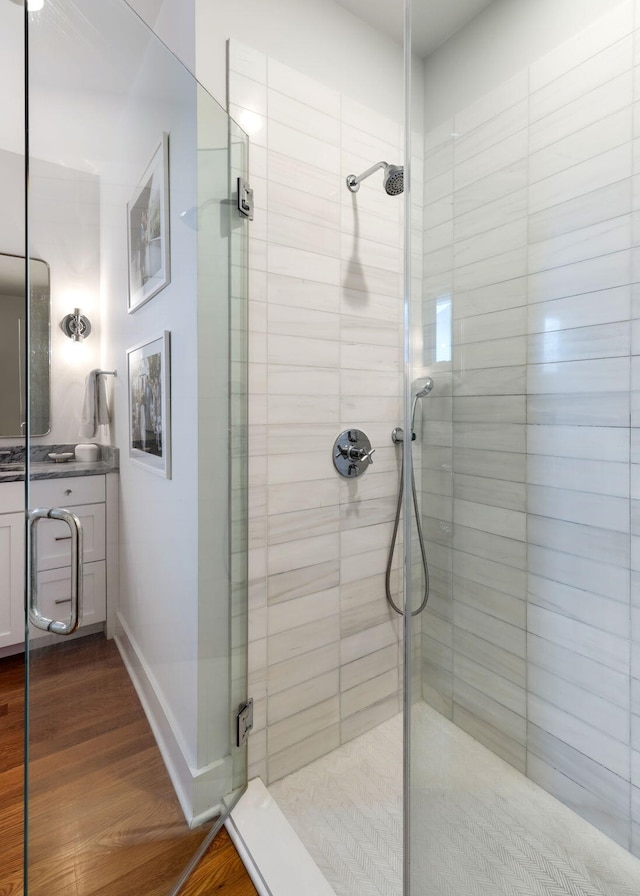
(425,565)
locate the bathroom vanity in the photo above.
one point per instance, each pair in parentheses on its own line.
(90,492)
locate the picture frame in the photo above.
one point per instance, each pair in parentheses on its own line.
(148,230)
(149,383)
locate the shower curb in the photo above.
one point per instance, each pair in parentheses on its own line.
(275,858)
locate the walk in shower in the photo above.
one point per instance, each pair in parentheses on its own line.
(514,241)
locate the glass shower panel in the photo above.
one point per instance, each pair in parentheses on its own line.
(222,326)
(132,737)
(239,436)
(524,741)
(13,400)
(431,291)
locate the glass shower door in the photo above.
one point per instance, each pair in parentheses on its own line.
(525,740)
(136,648)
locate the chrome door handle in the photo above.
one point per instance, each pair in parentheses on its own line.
(35,616)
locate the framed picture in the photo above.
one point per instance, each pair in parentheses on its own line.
(149,376)
(148,230)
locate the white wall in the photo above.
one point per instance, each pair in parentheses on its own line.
(11,69)
(174,23)
(159,609)
(107,117)
(174,537)
(502,40)
(315,37)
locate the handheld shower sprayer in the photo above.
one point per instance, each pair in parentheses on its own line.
(426,385)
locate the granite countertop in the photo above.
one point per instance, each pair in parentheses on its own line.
(51,470)
(41,467)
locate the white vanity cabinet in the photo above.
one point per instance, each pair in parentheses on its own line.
(11,563)
(85,496)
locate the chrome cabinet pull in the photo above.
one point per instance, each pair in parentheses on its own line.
(35,616)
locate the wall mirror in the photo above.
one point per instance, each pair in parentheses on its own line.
(13,325)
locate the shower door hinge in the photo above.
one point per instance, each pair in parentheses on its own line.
(244,722)
(245,199)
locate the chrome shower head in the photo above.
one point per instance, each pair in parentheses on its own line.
(393,178)
(427,386)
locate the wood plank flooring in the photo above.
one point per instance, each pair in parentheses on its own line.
(220,871)
(11,774)
(104,816)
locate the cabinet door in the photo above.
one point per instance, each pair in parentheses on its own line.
(54,601)
(69,491)
(12,578)
(54,538)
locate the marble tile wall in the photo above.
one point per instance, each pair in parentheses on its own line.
(325,350)
(433,450)
(581,274)
(489,420)
(476,261)
(531,214)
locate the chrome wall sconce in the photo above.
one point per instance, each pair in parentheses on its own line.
(76,326)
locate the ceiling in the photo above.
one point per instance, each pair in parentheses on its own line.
(433,21)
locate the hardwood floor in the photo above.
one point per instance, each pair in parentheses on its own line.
(220,871)
(104,818)
(11,774)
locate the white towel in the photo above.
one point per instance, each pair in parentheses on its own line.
(95,411)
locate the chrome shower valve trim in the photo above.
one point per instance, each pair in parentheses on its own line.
(352,453)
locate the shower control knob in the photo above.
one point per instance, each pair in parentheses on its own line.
(365,455)
(352,453)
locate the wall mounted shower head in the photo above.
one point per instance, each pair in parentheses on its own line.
(393,182)
(393,178)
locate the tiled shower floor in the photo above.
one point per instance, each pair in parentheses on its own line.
(480,828)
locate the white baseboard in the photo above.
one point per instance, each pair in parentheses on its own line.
(273,854)
(199,791)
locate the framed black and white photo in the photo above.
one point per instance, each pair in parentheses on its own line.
(149,377)
(148,230)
